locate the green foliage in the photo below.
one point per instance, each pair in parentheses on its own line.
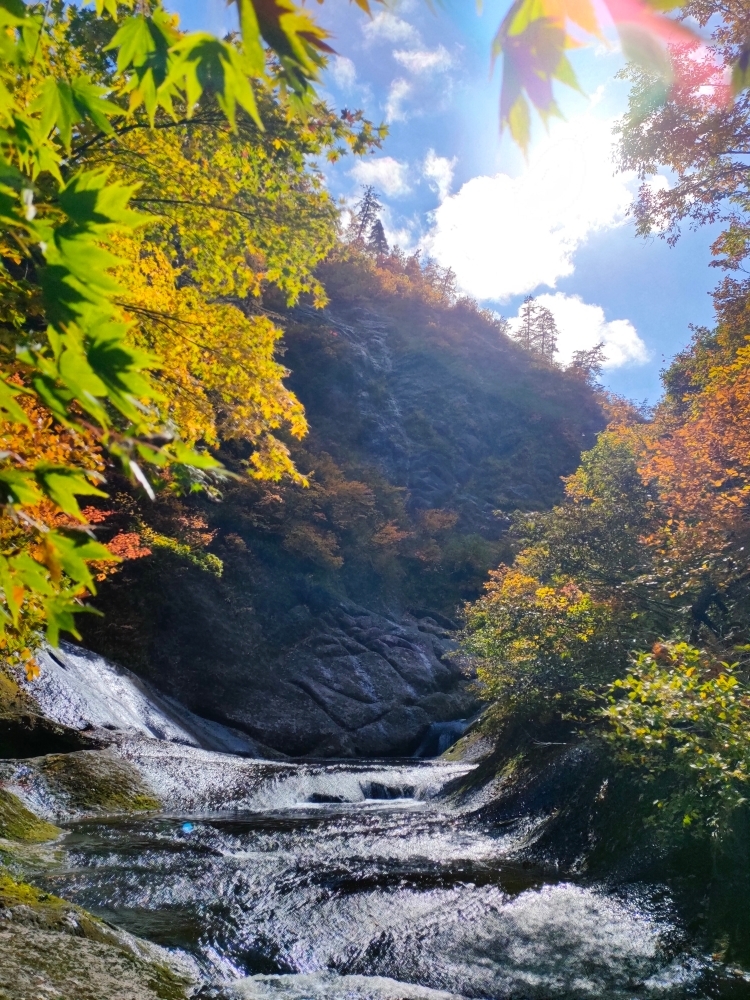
(537,331)
(595,536)
(682,717)
(76,89)
(536,646)
(639,550)
(206,561)
(566,614)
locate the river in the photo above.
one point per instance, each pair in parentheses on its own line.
(361,881)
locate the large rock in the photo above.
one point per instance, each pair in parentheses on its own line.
(360,684)
(355,684)
(52,948)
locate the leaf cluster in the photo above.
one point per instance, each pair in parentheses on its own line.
(652,542)
(683,714)
(123,141)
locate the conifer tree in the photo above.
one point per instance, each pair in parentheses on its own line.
(588,364)
(546,339)
(365,214)
(377,242)
(525,333)
(538,331)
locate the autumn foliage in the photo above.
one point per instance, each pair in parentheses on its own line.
(153,184)
(649,551)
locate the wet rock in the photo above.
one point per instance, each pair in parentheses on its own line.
(51,948)
(137,775)
(440,737)
(30,734)
(359,684)
(83,783)
(356,683)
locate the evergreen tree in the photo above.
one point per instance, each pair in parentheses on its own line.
(377,242)
(365,214)
(588,364)
(538,330)
(546,333)
(525,332)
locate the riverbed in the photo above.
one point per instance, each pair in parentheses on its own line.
(362,881)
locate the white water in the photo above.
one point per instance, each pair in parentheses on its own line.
(332,987)
(368,897)
(82,690)
(341,880)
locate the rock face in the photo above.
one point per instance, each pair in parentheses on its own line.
(445,407)
(360,684)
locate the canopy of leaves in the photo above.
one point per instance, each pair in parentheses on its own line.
(697,131)
(566,613)
(123,325)
(650,545)
(683,715)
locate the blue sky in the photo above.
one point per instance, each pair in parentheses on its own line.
(555,227)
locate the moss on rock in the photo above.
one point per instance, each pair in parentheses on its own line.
(95,781)
(10,693)
(19,823)
(84,783)
(49,947)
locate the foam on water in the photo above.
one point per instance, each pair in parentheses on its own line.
(331,987)
(389,904)
(343,880)
(355,783)
(189,779)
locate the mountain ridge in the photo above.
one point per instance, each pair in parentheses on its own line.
(428,426)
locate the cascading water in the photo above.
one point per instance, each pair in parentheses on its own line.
(359,881)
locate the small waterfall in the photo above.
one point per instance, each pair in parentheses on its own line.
(372,899)
(340,880)
(81,690)
(440,737)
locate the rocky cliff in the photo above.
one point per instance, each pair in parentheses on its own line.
(329,631)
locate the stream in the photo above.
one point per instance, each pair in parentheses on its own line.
(358,881)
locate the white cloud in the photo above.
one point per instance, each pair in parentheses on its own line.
(390,28)
(399,91)
(439,171)
(402,237)
(582,325)
(659,182)
(424,60)
(386,174)
(504,236)
(343,72)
